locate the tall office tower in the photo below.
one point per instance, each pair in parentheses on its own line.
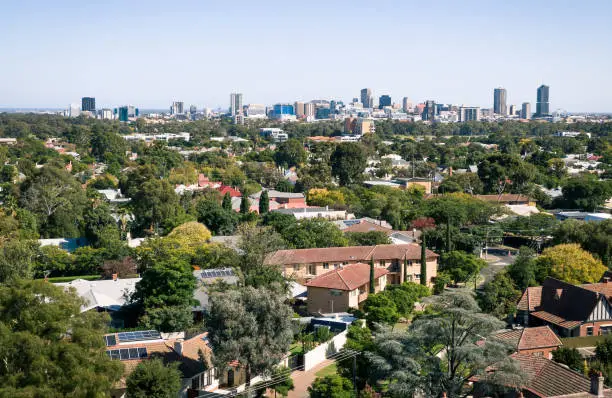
(499,101)
(366,98)
(88,104)
(192,109)
(429,112)
(512,110)
(469,113)
(309,109)
(235,104)
(542,106)
(333,106)
(177,108)
(299,109)
(526,110)
(384,100)
(406,105)
(74,110)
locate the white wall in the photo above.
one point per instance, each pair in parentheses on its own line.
(319,354)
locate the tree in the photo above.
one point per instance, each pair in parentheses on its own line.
(499,296)
(323,197)
(17,259)
(251,326)
(190,235)
(348,163)
(586,192)
(331,387)
(49,348)
(595,237)
(255,244)
(358,339)
(245,204)
(165,295)
(569,263)
(381,309)
(570,357)
(57,200)
(370,238)
(157,207)
(310,233)
(284,383)
(423,224)
(153,379)
(218,220)
(523,270)
(461,266)
(442,351)
(264,203)
(290,153)
(227,202)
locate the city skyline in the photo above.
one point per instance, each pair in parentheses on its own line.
(55,54)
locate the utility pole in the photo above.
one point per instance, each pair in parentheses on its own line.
(355,375)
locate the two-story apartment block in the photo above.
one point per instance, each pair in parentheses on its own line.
(344,287)
(569,310)
(403,262)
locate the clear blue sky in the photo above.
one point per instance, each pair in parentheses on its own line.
(149,53)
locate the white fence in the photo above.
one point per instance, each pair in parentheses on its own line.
(316,356)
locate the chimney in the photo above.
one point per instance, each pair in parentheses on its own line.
(178,347)
(115,276)
(597,385)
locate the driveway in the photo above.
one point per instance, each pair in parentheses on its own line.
(494,265)
(302,380)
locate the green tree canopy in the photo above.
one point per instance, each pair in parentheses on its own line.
(153,379)
(570,263)
(334,386)
(290,153)
(348,162)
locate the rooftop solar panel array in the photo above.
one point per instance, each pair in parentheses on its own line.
(110,340)
(142,335)
(125,354)
(217,273)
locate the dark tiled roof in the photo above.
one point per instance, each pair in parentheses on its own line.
(348,277)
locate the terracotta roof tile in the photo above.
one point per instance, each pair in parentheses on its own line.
(409,251)
(555,319)
(366,226)
(531,298)
(348,277)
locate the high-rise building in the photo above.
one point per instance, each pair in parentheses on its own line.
(384,100)
(429,112)
(127,112)
(333,106)
(88,104)
(499,101)
(106,113)
(235,104)
(283,112)
(543,106)
(299,109)
(256,111)
(526,110)
(74,110)
(177,108)
(366,98)
(469,113)
(309,109)
(406,105)
(512,110)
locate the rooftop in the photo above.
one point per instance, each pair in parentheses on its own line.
(530,338)
(348,277)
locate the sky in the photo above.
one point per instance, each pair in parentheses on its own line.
(150,53)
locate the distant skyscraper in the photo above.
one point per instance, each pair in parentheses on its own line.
(526,110)
(499,101)
(333,106)
(384,100)
(74,110)
(469,113)
(127,112)
(177,108)
(366,98)
(299,109)
(429,112)
(309,109)
(88,104)
(406,105)
(235,104)
(512,111)
(543,106)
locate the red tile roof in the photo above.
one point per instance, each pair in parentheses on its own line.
(531,338)
(234,193)
(555,319)
(409,251)
(530,299)
(348,277)
(366,226)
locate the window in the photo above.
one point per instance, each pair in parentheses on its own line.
(409,262)
(312,269)
(589,330)
(334,292)
(296,267)
(381,263)
(538,354)
(417,276)
(605,329)
(354,292)
(325,265)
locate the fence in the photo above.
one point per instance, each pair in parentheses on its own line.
(314,357)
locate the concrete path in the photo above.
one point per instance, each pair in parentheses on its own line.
(302,380)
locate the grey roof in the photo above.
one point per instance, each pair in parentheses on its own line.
(272,193)
(305,210)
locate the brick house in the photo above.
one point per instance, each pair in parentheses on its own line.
(344,287)
(399,260)
(539,341)
(569,310)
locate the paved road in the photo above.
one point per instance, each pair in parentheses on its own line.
(494,265)
(303,380)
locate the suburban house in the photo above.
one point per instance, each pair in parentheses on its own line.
(131,348)
(548,379)
(402,261)
(285,200)
(344,287)
(569,310)
(316,212)
(364,225)
(540,341)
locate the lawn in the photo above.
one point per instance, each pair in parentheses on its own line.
(585,341)
(327,371)
(296,348)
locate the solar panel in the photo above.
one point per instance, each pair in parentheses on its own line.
(125,354)
(216,273)
(139,336)
(110,340)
